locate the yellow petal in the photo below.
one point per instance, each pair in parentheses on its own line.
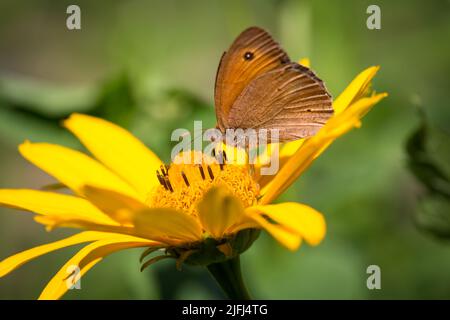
(85,259)
(297,218)
(290,148)
(219,210)
(314,146)
(234,155)
(13,262)
(305,62)
(285,153)
(245,223)
(265,156)
(355,90)
(164,224)
(50,203)
(287,238)
(56,221)
(118,150)
(152,223)
(73,168)
(116,205)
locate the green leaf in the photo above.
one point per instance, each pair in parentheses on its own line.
(31,109)
(45,98)
(116,101)
(433,215)
(426,152)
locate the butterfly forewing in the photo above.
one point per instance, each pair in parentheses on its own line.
(253,53)
(258,87)
(291,99)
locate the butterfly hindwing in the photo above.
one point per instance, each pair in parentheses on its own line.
(290,98)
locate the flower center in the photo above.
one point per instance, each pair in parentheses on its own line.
(183,185)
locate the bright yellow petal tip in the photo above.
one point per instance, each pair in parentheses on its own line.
(290,222)
(305,62)
(355,90)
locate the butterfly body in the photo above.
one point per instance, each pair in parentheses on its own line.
(258,87)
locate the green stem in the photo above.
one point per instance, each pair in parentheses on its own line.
(228,275)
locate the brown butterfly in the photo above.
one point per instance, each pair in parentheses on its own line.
(259,87)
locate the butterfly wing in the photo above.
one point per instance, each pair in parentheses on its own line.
(290,98)
(253,53)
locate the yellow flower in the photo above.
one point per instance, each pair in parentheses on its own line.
(125,197)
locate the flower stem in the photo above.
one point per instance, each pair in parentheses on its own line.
(228,275)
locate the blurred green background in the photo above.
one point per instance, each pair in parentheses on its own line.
(150,66)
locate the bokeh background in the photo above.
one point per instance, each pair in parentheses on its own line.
(150,66)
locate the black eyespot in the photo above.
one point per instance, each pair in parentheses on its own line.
(249,55)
